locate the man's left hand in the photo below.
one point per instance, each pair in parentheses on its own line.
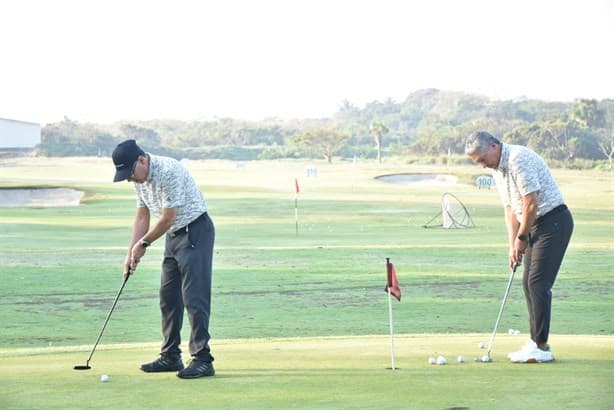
(519,248)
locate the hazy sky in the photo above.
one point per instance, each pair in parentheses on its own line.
(108,60)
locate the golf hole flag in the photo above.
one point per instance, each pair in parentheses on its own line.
(393,289)
(393,283)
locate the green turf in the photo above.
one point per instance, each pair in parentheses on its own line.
(61,268)
(343,372)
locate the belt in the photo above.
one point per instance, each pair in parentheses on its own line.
(552,212)
(186,228)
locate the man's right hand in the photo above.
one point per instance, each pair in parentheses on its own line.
(127,270)
(515,257)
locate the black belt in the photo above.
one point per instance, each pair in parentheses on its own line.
(551,212)
(186,228)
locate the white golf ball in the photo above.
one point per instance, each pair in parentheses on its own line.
(432,360)
(510,331)
(104,378)
(485,358)
(441,360)
(461,359)
(516,332)
(481,345)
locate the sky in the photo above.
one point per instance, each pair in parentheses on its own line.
(111,60)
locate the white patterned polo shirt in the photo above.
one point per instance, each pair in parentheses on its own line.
(521,172)
(170,185)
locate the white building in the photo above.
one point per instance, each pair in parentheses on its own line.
(19,134)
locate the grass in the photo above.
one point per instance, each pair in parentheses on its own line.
(322,372)
(299,321)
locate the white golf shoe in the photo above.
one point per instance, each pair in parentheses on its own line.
(528,346)
(531,355)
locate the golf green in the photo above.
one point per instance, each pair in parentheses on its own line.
(327,372)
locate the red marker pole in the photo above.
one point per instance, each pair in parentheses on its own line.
(296,192)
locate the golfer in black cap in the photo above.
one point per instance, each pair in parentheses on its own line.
(166,189)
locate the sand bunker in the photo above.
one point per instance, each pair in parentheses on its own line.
(419,179)
(39,197)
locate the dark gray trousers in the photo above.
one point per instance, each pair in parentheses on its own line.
(186,284)
(547,245)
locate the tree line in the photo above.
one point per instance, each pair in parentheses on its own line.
(430,123)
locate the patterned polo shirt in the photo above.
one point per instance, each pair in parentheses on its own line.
(521,172)
(170,185)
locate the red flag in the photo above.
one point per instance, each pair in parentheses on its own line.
(296,186)
(393,282)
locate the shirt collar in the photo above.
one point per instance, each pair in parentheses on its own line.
(152,167)
(505,158)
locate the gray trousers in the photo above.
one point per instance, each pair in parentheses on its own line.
(186,284)
(547,245)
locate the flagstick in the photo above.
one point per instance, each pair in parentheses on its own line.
(391,328)
(296,212)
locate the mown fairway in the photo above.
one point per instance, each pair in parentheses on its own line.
(345,372)
(61,268)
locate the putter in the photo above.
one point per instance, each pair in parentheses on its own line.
(87,364)
(507,292)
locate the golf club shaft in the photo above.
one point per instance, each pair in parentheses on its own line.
(107,319)
(507,292)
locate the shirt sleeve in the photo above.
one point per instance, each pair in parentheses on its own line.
(526,174)
(173,190)
(139,197)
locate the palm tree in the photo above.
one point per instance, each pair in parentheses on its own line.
(378,130)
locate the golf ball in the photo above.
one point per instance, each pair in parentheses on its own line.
(104,378)
(432,360)
(510,331)
(461,359)
(516,332)
(485,358)
(481,345)
(441,360)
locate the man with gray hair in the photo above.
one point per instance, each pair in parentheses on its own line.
(539,227)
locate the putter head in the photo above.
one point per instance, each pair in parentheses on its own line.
(82,367)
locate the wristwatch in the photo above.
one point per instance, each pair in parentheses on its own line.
(522,238)
(144,243)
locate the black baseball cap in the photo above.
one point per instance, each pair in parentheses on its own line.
(124,157)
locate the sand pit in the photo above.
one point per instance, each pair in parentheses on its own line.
(39,197)
(419,179)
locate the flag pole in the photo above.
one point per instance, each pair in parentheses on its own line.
(390,322)
(296,191)
(391,330)
(296,213)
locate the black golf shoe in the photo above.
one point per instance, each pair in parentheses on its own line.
(164,363)
(197,368)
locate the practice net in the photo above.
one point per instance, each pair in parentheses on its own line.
(453,214)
